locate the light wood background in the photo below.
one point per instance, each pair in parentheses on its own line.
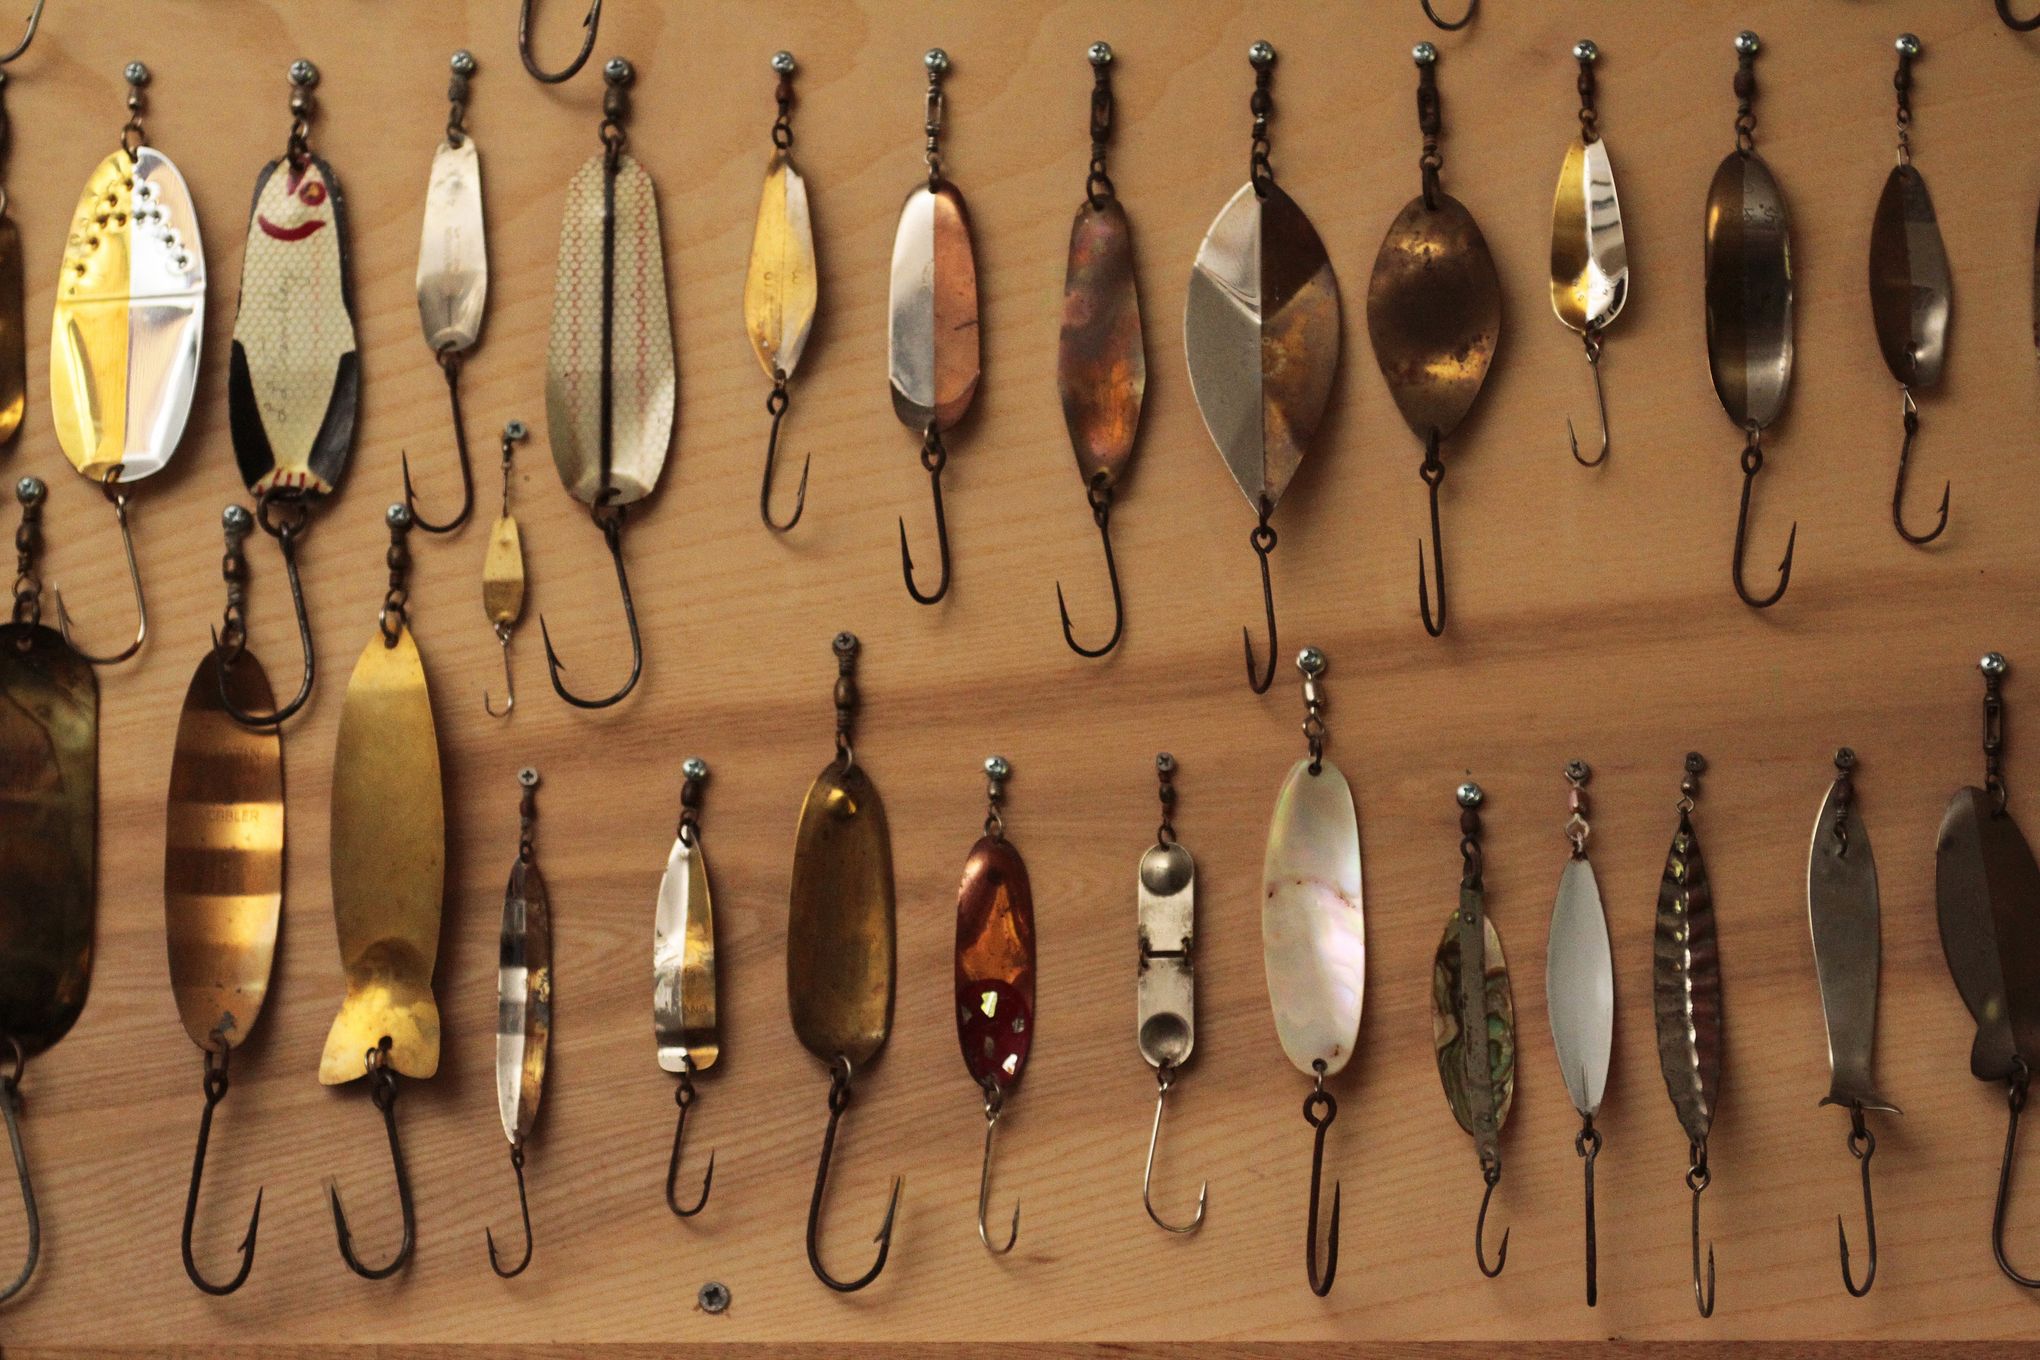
(1591,616)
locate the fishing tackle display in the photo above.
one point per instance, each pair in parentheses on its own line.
(1101,363)
(524,996)
(933,347)
(1261,335)
(1434,313)
(1589,261)
(592,22)
(1165,995)
(503,575)
(13,318)
(685,1022)
(1314,939)
(781,287)
(1579,994)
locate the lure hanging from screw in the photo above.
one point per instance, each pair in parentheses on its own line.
(1910,293)
(1589,261)
(13,321)
(1101,365)
(685,1021)
(1261,334)
(503,575)
(781,288)
(1749,303)
(1165,995)
(932,341)
(524,992)
(223,870)
(1579,995)
(1314,939)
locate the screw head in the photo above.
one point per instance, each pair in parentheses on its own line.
(1311,661)
(303,74)
(236,520)
(783,63)
(515,431)
(462,62)
(713,1297)
(397,517)
(1578,771)
(1584,50)
(845,643)
(1423,54)
(1099,54)
(29,490)
(617,71)
(1469,795)
(1261,54)
(1165,763)
(937,61)
(1746,43)
(528,777)
(1845,758)
(694,767)
(1907,45)
(136,73)
(1695,763)
(997,767)
(1993,663)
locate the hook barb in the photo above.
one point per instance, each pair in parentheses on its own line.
(1600,404)
(2015,1104)
(449,362)
(839,1100)
(1862,1143)
(1262,540)
(1697,1180)
(1164,1078)
(612,533)
(1320,1109)
(509,679)
(1100,496)
(1492,1174)
(2004,9)
(1912,427)
(1752,464)
(993,1108)
(776,405)
(683,1096)
(10,1109)
(35,22)
(119,499)
(215,1091)
(286,536)
(523,1211)
(1472,8)
(1588,1145)
(591,23)
(383,1090)
(933,457)
(1433,473)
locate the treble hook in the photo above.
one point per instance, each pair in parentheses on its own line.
(119,500)
(35,21)
(1697,1179)
(839,1099)
(1099,494)
(2015,1103)
(775,405)
(994,1106)
(2004,9)
(1492,1174)
(1587,1143)
(1912,427)
(1164,1077)
(1862,1143)
(449,363)
(1319,1110)
(683,1096)
(10,1109)
(590,23)
(612,533)
(1593,341)
(1262,539)
(1472,8)
(1433,472)
(215,1091)
(1752,464)
(286,536)
(933,456)
(523,1210)
(382,1089)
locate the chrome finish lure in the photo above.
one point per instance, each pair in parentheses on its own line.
(524,997)
(685,1019)
(1589,260)
(1165,995)
(1579,995)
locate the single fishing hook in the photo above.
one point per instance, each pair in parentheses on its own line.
(509,679)
(382,1089)
(1862,1143)
(119,500)
(612,533)
(1472,8)
(1587,1143)
(1164,1077)
(1099,493)
(286,536)
(775,404)
(933,456)
(1912,427)
(1320,1109)
(1433,472)
(1697,1180)
(839,1099)
(591,23)
(1593,340)
(683,1096)
(1752,464)
(1263,541)
(35,21)
(2004,9)
(10,1109)
(2015,1104)
(1492,1174)
(993,1108)
(523,1210)
(215,1091)
(449,363)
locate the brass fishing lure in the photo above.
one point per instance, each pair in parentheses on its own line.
(13,318)
(503,575)
(781,287)
(1589,259)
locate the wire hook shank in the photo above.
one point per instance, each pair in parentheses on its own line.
(683,1096)
(215,1091)
(1164,1078)
(524,1212)
(591,23)
(839,1100)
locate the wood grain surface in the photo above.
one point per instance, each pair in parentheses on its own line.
(1591,616)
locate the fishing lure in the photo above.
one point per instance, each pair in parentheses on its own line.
(995,975)
(13,321)
(1686,996)
(1101,365)
(524,996)
(1986,886)
(389,880)
(453,274)
(223,869)
(839,941)
(1841,912)
(1473,1022)
(781,287)
(933,348)
(503,575)
(1434,313)
(1261,335)
(685,1021)
(610,387)
(294,380)
(1579,994)
(1165,997)
(1314,938)
(1909,288)
(126,330)
(1589,262)
(1749,302)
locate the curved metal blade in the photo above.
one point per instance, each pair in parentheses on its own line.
(453,252)
(1589,260)
(1434,312)
(684,1016)
(1473,1024)
(1579,986)
(932,342)
(524,992)
(1842,912)
(1686,985)
(839,931)
(1101,365)
(1749,290)
(1313,925)
(1910,291)
(1987,900)
(780,288)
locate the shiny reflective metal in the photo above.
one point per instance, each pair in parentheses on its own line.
(1165,1010)
(524,997)
(1589,259)
(13,335)
(1686,997)
(932,341)
(1579,998)
(503,576)
(684,1015)
(781,288)
(453,255)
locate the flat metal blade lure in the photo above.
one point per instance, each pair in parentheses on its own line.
(995,975)
(1434,313)
(1314,939)
(685,1021)
(1261,335)
(223,869)
(840,943)
(933,347)
(1473,1022)
(1910,291)
(1579,995)
(524,1001)
(1987,898)
(294,380)
(610,385)
(389,881)
(1589,260)
(781,287)
(126,331)
(13,319)
(503,575)
(1101,364)
(1165,990)
(1749,303)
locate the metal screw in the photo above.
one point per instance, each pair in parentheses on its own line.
(397,517)
(1469,795)
(694,767)
(303,74)
(1311,661)
(713,1297)
(463,63)
(1746,43)
(1993,663)
(29,490)
(783,63)
(236,520)
(937,61)
(1165,763)
(137,74)
(1578,771)
(1907,45)
(617,71)
(997,767)
(1100,54)
(1584,50)
(515,431)
(1845,759)
(1423,54)
(528,777)
(1261,54)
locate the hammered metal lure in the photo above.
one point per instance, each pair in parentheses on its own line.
(294,380)
(524,997)
(1579,995)
(1841,911)
(1987,891)
(932,343)
(1101,364)
(389,881)
(840,943)
(610,386)
(13,322)
(125,333)
(1314,939)
(503,575)
(1910,293)
(1434,313)
(1589,261)
(685,1021)
(1749,303)
(781,289)
(223,870)
(1165,996)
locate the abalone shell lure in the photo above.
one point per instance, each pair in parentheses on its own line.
(685,1017)
(781,287)
(1589,259)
